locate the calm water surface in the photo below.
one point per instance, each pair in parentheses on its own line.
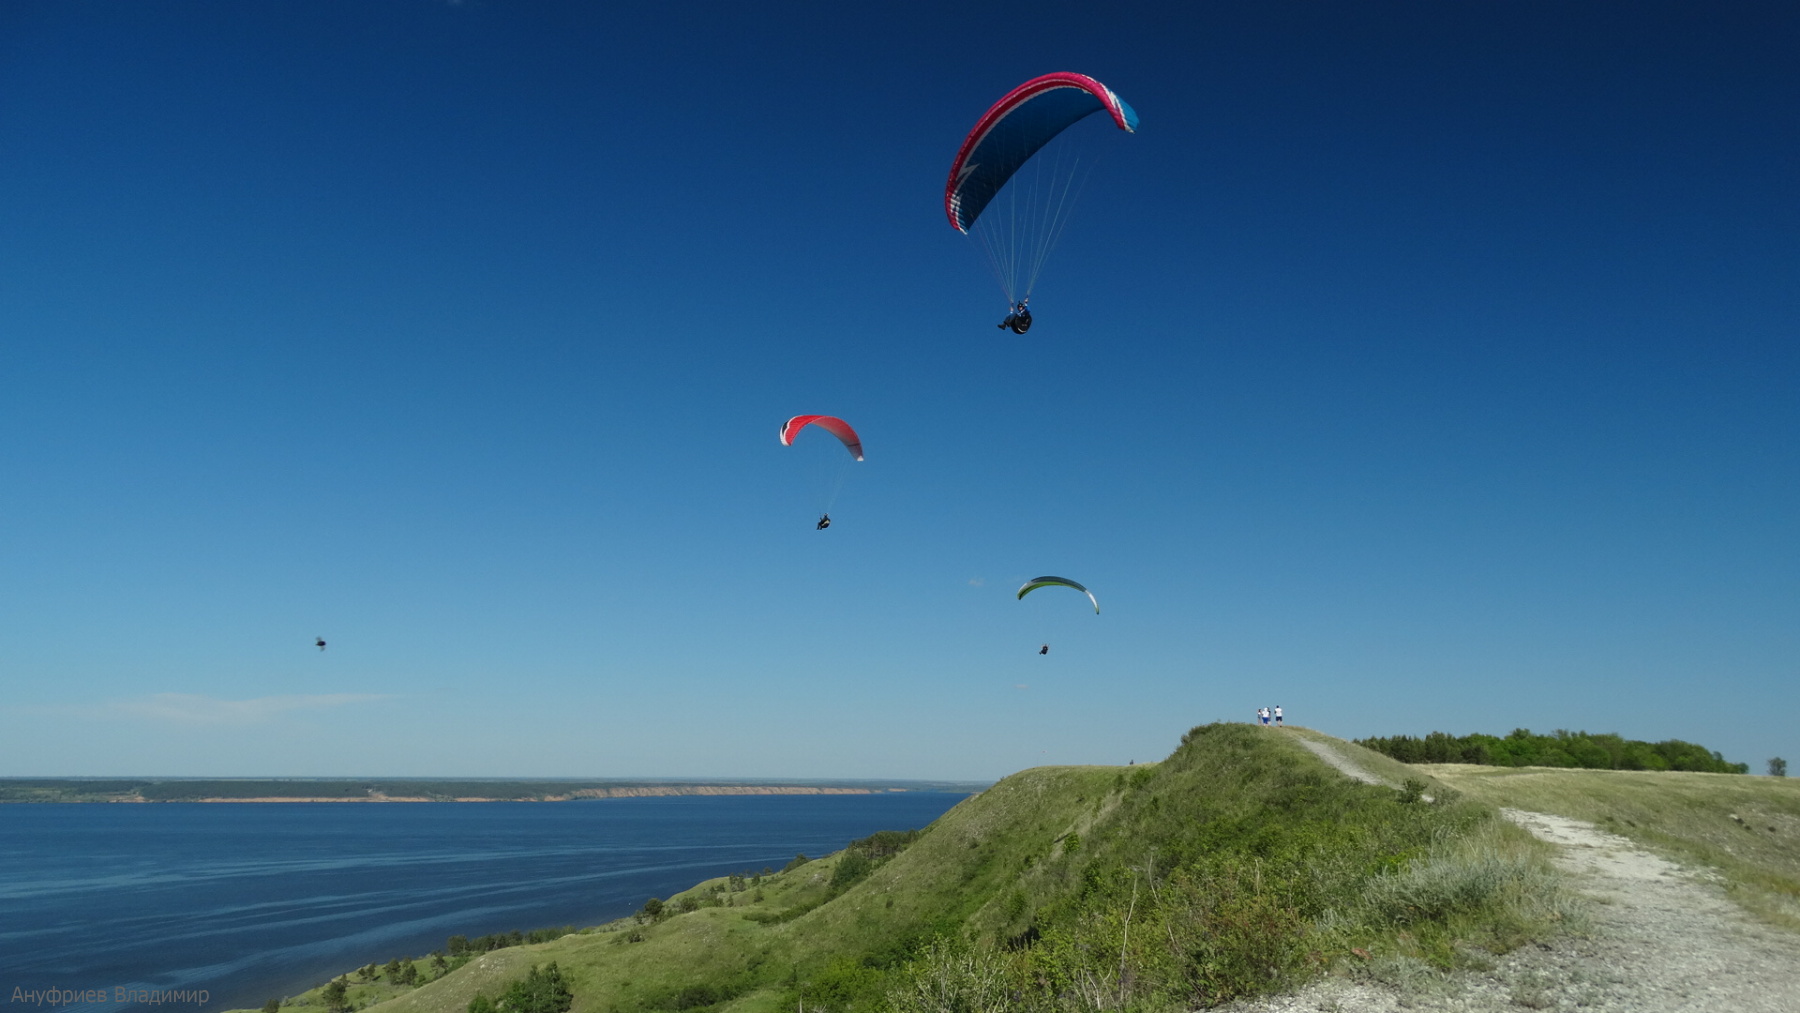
(258,900)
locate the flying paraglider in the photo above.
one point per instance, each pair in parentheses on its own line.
(1021,227)
(1018,319)
(319,641)
(846,435)
(1036,582)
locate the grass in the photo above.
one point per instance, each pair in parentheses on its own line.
(1239,865)
(1747,828)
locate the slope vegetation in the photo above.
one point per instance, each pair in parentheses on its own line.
(1239,865)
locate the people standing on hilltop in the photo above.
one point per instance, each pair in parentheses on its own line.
(1262,715)
(1278,715)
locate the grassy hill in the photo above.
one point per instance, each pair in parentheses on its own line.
(1241,864)
(1746,828)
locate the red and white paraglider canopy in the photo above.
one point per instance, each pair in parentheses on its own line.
(831,424)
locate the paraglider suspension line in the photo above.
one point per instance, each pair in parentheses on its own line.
(1025,223)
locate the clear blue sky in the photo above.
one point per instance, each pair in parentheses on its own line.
(1416,366)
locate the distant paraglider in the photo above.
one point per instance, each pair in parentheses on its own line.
(1017,217)
(320,641)
(837,427)
(1036,582)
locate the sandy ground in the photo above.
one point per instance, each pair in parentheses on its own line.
(1665,940)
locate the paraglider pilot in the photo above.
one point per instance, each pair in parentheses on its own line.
(1044,649)
(1018,318)
(320,641)
(824,522)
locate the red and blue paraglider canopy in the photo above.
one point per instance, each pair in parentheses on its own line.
(1008,134)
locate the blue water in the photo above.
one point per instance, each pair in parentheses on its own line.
(252,901)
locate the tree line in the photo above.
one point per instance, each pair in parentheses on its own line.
(1561,748)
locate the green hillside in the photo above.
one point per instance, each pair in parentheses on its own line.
(1241,864)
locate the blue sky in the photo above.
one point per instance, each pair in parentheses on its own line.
(1415,366)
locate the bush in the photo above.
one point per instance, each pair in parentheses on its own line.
(852,867)
(952,977)
(542,990)
(1436,889)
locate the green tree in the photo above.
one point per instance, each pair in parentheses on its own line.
(542,990)
(1777,767)
(272,1006)
(651,911)
(337,996)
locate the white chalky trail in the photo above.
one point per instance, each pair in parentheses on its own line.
(1665,940)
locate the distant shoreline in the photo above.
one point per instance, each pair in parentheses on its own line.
(147,790)
(585,793)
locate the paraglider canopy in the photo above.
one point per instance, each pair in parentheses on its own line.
(319,641)
(1036,582)
(831,424)
(1013,130)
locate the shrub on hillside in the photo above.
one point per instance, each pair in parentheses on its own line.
(866,854)
(542,990)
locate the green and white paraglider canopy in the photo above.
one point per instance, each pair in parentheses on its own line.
(1036,582)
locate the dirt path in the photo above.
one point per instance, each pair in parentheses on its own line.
(1340,761)
(1665,940)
